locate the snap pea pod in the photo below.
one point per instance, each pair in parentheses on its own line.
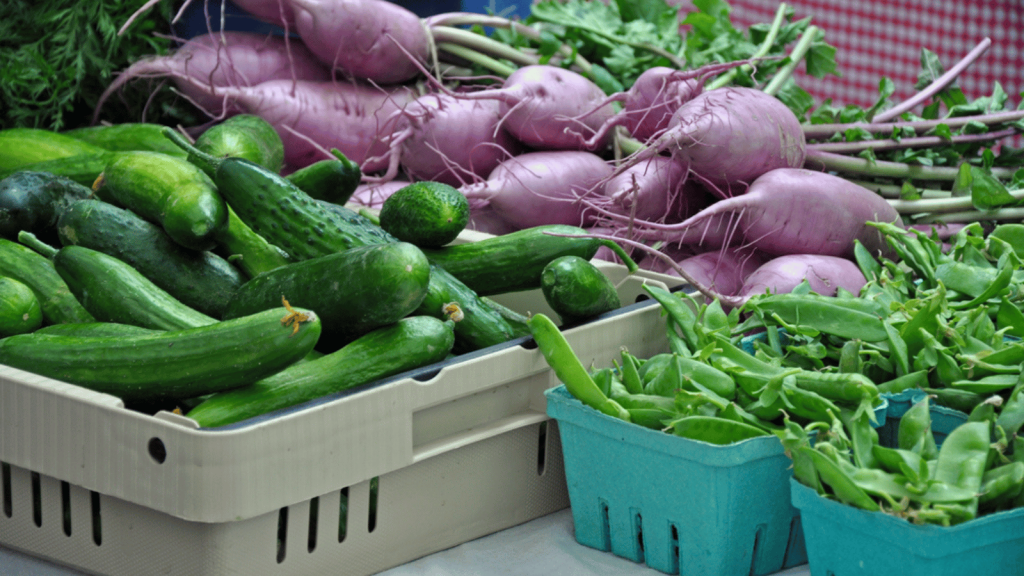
(843,487)
(715,430)
(963,457)
(915,431)
(1001,485)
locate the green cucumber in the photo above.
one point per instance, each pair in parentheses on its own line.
(82,168)
(98,329)
(577,290)
(175,364)
(248,250)
(36,271)
(514,261)
(32,201)
(410,343)
(168,191)
(427,214)
(19,308)
(241,136)
(352,292)
(126,137)
(306,228)
(332,180)
(113,291)
(200,280)
(26,146)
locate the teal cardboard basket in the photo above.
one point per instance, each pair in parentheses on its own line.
(678,505)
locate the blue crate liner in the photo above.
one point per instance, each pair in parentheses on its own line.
(845,541)
(944,419)
(678,505)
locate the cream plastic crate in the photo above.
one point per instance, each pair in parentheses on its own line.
(461,449)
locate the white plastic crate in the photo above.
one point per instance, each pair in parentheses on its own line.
(462,449)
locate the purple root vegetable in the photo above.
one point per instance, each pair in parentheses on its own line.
(373,40)
(655,190)
(373,195)
(313,117)
(277,12)
(539,188)
(724,271)
(794,211)
(484,218)
(228,59)
(727,137)
(825,274)
(446,139)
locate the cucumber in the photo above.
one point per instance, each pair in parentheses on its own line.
(113,291)
(19,308)
(175,364)
(246,249)
(98,329)
(127,137)
(32,201)
(410,343)
(306,228)
(577,290)
(241,136)
(352,292)
(36,271)
(514,261)
(168,191)
(26,146)
(329,180)
(427,214)
(82,168)
(200,280)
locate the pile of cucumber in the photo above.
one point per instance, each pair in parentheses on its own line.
(195,277)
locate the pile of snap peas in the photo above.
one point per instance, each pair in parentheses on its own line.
(943,319)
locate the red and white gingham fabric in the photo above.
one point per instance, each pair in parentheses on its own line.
(876,38)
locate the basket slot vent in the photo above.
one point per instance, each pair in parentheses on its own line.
(343,514)
(638,531)
(5,479)
(65,506)
(606,530)
(674,547)
(37,500)
(371,523)
(282,533)
(314,517)
(542,448)
(758,542)
(97,523)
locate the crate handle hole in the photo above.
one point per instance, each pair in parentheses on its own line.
(157,450)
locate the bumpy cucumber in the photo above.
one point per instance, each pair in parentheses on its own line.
(514,261)
(113,291)
(577,290)
(82,168)
(98,329)
(26,146)
(36,271)
(126,137)
(329,180)
(427,214)
(19,308)
(248,250)
(168,191)
(352,292)
(200,280)
(175,364)
(409,343)
(241,136)
(33,201)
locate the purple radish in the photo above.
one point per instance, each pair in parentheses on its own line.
(723,271)
(655,190)
(825,274)
(373,195)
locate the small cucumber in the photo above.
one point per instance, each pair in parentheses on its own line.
(19,308)
(175,364)
(82,168)
(36,271)
(514,261)
(32,201)
(126,137)
(410,343)
(329,180)
(113,291)
(352,292)
(168,191)
(98,329)
(577,290)
(241,136)
(200,280)
(248,250)
(26,146)
(427,214)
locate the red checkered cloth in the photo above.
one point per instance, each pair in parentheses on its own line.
(877,38)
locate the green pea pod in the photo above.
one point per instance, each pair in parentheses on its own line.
(1000,283)
(806,404)
(915,430)
(603,379)
(1000,486)
(793,436)
(897,347)
(966,278)
(989,384)
(568,368)
(862,438)
(714,430)
(905,462)
(963,456)
(676,344)
(843,487)
(707,376)
(650,368)
(845,318)
(961,400)
(917,379)
(1010,318)
(837,386)
(735,413)
(630,376)
(984,412)
(849,357)
(869,267)
(668,381)
(1011,415)
(941,492)
(648,411)
(681,314)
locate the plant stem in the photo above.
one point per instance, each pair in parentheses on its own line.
(825,131)
(477,58)
(882,169)
(937,85)
(798,53)
(773,32)
(915,142)
(974,215)
(480,43)
(896,192)
(941,205)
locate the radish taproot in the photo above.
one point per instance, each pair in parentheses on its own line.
(825,274)
(655,190)
(223,59)
(368,39)
(723,270)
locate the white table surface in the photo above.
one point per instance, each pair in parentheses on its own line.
(541,547)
